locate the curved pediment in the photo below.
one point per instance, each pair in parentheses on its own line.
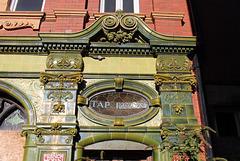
(111,34)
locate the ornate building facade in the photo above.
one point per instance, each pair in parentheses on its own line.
(98,80)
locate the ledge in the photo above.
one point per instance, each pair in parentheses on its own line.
(167,15)
(52,17)
(70,12)
(10,20)
(95,16)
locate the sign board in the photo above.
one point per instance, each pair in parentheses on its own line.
(125,104)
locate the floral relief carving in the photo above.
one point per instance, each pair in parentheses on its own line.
(173,63)
(56,61)
(119,29)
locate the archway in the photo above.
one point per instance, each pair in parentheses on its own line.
(22,98)
(129,137)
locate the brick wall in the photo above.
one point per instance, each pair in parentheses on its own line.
(76,22)
(11,145)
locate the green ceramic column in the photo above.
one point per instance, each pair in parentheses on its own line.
(156,154)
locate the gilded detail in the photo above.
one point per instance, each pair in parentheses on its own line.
(61,81)
(173,63)
(58,96)
(64,61)
(175,82)
(178,109)
(56,129)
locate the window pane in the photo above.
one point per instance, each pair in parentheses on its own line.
(29,5)
(226,124)
(110,5)
(128,6)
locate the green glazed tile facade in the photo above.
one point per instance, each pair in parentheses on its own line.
(81,65)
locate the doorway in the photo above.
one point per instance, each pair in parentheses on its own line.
(119,155)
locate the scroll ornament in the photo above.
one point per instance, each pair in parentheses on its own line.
(119,28)
(14,24)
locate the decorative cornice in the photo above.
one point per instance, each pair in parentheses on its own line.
(167,15)
(129,35)
(20,19)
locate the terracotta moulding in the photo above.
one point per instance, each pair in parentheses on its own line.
(20,19)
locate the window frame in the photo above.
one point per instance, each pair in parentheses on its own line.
(119,5)
(13,5)
(236,118)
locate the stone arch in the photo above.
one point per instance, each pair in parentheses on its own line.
(118,136)
(22,98)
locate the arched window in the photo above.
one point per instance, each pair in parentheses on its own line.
(12,113)
(128,6)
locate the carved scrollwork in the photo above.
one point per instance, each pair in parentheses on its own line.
(56,129)
(119,29)
(49,78)
(9,25)
(128,22)
(172,82)
(110,22)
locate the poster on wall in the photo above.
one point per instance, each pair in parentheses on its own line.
(53,156)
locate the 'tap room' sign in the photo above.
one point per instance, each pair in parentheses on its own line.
(125,104)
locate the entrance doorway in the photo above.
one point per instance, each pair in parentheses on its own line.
(119,155)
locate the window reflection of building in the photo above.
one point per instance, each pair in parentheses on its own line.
(26,5)
(128,6)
